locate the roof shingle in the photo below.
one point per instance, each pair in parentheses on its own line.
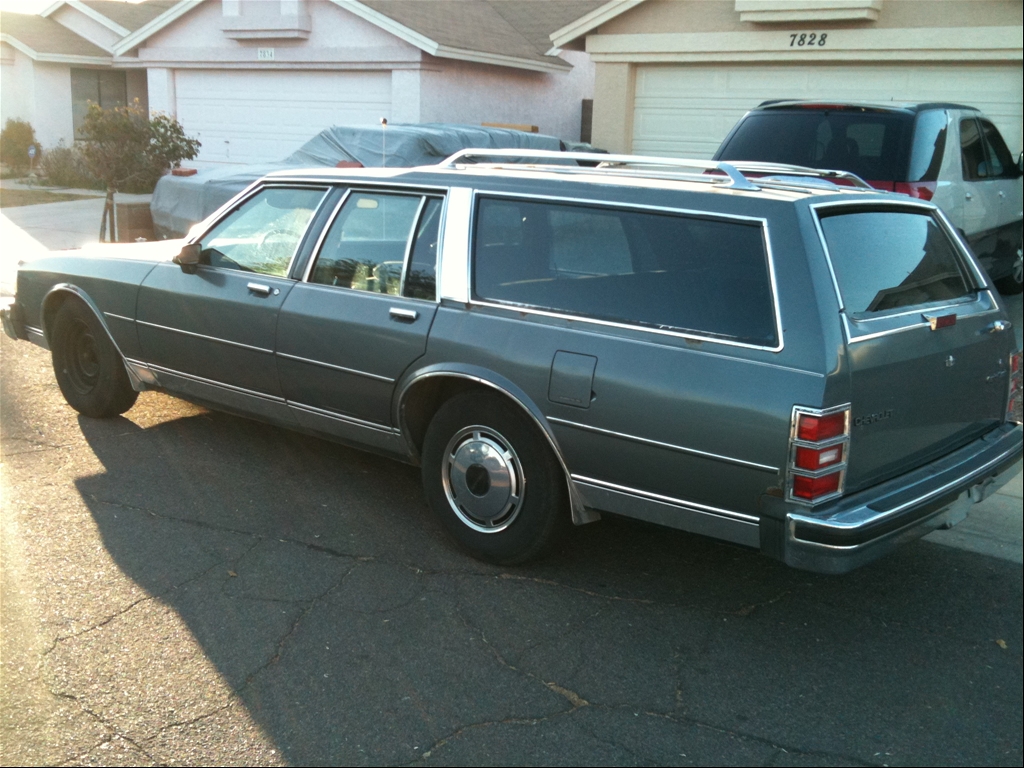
(517,28)
(46,36)
(131,16)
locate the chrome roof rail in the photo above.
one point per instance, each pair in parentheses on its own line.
(610,163)
(771,169)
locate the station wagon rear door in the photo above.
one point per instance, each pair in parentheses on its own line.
(928,346)
(361,314)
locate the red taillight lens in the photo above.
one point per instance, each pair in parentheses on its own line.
(922,190)
(810,488)
(814,429)
(818,458)
(819,450)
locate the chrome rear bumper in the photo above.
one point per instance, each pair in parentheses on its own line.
(860,528)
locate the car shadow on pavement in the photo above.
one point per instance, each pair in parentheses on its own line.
(300,605)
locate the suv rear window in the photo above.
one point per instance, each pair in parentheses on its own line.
(873,145)
(888,259)
(661,270)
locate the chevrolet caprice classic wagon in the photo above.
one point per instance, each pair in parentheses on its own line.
(816,371)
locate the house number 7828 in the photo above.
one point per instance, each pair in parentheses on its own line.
(807,39)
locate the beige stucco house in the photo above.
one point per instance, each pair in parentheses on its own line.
(672,76)
(254,79)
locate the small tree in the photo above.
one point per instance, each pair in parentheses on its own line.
(15,139)
(128,149)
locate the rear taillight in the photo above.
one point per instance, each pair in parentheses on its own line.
(1013,404)
(923,190)
(818,447)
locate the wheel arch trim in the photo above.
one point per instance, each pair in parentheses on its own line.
(491,380)
(67,290)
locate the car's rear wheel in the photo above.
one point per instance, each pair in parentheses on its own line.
(493,481)
(89,370)
(1013,283)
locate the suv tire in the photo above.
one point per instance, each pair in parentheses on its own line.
(493,481)
(89,369)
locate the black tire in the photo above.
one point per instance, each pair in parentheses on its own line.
(1013,283)
(492,479)
(89,370)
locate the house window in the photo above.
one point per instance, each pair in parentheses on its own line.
(100,86)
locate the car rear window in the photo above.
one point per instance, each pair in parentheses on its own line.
(672,272)
(889,259)
(873,145)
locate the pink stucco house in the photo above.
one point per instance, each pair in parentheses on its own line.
(253,79)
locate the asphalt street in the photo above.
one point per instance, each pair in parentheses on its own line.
(181,586)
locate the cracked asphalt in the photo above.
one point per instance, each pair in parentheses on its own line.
(183,587)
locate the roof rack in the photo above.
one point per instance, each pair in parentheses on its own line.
(657,167)
(607,163)
(769,169)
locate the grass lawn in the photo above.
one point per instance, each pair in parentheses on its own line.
(9,198)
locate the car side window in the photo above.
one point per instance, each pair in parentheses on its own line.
(929,146)
(667,271)
(421,276)
(365,247)
(1001,164)
(263,233)
(972,151)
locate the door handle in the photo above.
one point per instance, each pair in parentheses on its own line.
(969,196)
(997,327)
(259,288)
(1001,193)
(404,315)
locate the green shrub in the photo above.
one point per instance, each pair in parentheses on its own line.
(15,139)
(65,166)
(129,149)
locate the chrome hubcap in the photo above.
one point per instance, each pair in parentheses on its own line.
(483,479)
(1018,267)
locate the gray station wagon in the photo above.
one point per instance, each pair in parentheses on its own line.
(817,371)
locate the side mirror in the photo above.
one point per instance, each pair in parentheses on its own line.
(189,257)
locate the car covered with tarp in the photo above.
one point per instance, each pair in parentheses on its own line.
(181,201)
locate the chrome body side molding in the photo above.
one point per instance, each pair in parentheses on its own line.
(666,446)
(736,527)
(205,337)
(343,369)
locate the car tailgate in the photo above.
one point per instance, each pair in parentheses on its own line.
(928,350)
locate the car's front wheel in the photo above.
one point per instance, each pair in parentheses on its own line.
(493,480)
(89,369)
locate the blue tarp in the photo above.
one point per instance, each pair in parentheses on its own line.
(181,201)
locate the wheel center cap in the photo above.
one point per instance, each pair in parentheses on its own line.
(478,480)
(482,479)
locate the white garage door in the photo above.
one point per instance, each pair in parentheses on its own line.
(250,117)
(686,111)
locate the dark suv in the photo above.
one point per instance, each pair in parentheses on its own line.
(949,154)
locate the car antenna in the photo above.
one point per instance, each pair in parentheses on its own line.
(383,142)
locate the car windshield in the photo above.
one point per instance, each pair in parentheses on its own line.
(873,145)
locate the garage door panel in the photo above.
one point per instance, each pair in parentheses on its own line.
(686,110)
(246,117)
